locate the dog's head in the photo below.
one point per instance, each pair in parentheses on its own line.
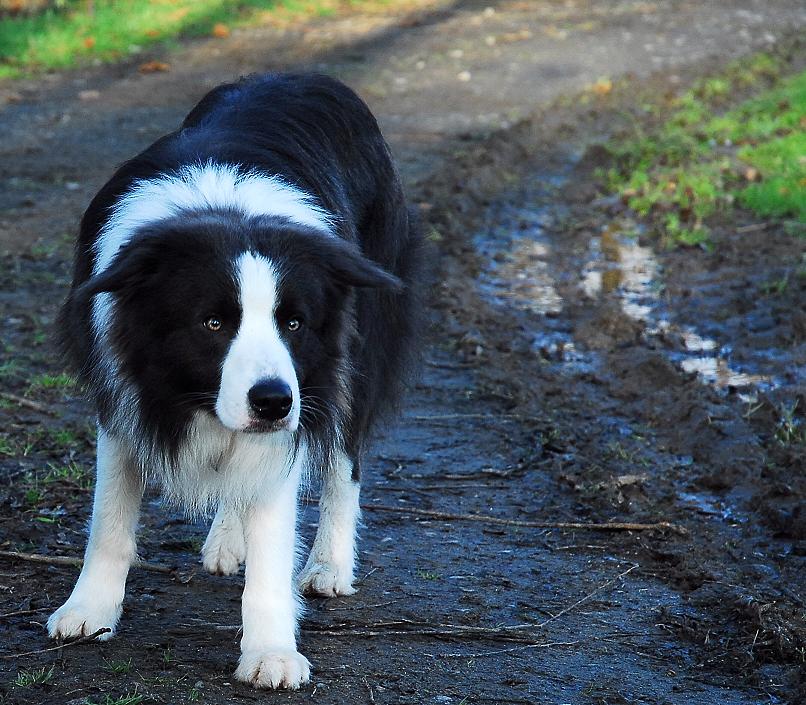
(241,317)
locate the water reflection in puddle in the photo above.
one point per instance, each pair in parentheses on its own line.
(520,277)
(517,274)
(619,266)
(517,270)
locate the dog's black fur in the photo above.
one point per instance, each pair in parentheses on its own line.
(360,293)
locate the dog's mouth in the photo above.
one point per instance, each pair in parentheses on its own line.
(260,426)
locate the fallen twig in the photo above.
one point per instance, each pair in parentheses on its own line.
(360,607)
(587,597)
(451,365)
(498,652)
(752,227)
(78,562)
(539,645)
(21,613)
(28,403)
(582,526)
(411,627)
(80,640)
(394,628)
(452,417)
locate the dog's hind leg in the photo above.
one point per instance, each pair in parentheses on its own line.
(331,564)
(225,547)
(97,598)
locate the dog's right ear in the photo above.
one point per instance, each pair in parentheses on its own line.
(133,267)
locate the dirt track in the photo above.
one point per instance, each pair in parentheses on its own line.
(545,396)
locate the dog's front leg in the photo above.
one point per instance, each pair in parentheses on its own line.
(331,563)
(269,656)
(97,598)
(225,547)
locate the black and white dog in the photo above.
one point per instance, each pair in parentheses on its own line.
(245,304)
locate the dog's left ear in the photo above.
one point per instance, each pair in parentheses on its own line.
(349,266)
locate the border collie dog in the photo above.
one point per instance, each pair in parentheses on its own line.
(245,306)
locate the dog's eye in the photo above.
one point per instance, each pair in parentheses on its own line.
(293,324)
(213,323)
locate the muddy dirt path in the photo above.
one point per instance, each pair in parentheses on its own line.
(556,388)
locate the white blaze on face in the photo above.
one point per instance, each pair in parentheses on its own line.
(199,187)
(257,352)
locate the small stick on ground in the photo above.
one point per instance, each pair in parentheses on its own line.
(519,633)
(78,562)
(587,597)
(480,417)
(498,652)
(752,227)
(21,613)
(538,645)
(399,627)
(582,526)
(81,640)
(28,403)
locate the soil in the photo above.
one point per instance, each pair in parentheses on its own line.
(573,374)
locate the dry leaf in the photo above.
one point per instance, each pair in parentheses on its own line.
(220,30)
(603,86)
(519,36)
(751,174)
(154,67)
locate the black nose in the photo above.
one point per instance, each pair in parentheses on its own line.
(270,399)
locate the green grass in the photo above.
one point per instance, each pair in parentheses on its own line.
(119,667)
(128,699)
(10,371)
(71,473)
(33,676)
(707,154)
(76,32)
(36,485)
(46,380)
(789,429)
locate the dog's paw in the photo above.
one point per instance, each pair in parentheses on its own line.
(77,618)
(274,668)
(224,550)
(326,580)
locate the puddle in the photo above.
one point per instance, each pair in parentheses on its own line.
(518,269)
(517,255)
(520,277)
(519,273)
(619,266)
